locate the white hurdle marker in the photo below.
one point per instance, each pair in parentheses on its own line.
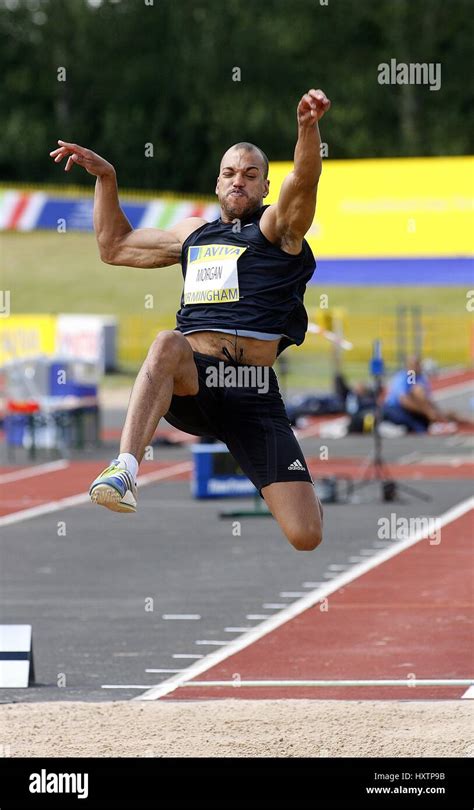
(16,656)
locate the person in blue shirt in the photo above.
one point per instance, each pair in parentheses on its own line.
(409,402)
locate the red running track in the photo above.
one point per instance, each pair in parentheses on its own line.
(75,479)
(410,615)
(451,378)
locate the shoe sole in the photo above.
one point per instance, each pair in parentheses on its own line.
(105,495)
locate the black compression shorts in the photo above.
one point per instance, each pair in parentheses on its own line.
(241,405)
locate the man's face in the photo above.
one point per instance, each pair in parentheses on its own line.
(241,185)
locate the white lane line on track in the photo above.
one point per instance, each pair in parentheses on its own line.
(274,605)
(211,642)
(236,629)
(469,695)
(31,472)
(298,607)
(447,458)
(164,670)
(124,686)
(254,617)
(76,500)
(453,682)
(181,617)
(409,458)
(186,655)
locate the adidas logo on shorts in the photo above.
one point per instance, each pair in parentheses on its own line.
(296,465)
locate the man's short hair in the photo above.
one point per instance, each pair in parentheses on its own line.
(251,147)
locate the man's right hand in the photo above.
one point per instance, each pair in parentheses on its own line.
(89,160)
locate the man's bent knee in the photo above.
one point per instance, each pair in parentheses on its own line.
(171,352)
(169,346)
(306,539)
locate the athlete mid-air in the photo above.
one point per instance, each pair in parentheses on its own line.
(245,276)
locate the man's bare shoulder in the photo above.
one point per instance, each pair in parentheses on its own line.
(271,230)
(185,228)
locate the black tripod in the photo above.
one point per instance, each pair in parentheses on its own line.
(375,470)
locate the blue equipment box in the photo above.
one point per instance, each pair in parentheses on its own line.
(70,386)
(216,474)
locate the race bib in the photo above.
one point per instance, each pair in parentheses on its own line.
(212,276)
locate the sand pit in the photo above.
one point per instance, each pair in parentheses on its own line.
(239,728)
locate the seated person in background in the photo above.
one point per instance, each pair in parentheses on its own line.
(358,399)
(360,402)
(361,396)
(408,401)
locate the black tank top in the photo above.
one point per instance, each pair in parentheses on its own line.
(239,280)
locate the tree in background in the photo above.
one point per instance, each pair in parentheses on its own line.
(190,77)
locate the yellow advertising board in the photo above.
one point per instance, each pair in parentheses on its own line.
(390,207)
(26,336)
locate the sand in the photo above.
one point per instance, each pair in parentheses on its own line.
(239,728)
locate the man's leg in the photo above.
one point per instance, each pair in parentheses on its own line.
(258,433)
(296,507)
(169,369)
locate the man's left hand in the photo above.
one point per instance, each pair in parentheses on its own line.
(313,105)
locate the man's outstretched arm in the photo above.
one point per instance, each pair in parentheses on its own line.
(118,242)
(287,222)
